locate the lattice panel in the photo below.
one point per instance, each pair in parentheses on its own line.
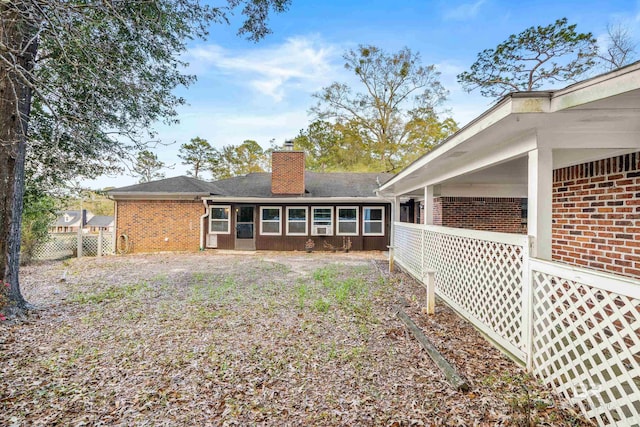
(61,246)
(57,246)
(586,344)
(408,249)
(90,244)
(108,244)
(483,278)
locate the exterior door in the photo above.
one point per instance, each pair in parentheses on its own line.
(245,228)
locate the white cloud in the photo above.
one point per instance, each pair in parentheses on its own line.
(464,11)
(449,74)
(301,63)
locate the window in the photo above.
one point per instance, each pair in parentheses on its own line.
(322,224)
(347,221)
(373,221)
(296,221)
(270,221)
(219,219)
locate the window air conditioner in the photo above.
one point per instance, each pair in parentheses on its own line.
(320,230)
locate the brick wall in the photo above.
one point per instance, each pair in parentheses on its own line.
(596,215)
(287,172)
(500,214)
(160,225)
(437,211)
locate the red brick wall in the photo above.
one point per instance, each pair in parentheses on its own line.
(287,172)
(596,215)
(148,223)
(500,214)
(437,211)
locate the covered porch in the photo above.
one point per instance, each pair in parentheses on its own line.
(530,220)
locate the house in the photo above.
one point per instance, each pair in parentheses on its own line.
(281,210)
(69,221)
(101,222)
(530,222)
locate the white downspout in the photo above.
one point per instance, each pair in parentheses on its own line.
(206,214)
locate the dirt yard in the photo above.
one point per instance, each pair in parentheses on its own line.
(248,339)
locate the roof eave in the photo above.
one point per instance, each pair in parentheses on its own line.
(139,195)
(599,87)
(296,199)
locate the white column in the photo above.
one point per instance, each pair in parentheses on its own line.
(428,205)
(395,216)
(100,237)
(540,187)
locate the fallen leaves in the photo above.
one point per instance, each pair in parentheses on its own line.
(205,339)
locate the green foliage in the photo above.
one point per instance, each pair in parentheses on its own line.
(302,292)
(537,56)
(378,125)
(326,275)
(321,305)
(234,160)
(38,214)
(147,167)
(94,201)
(87,80)
(197,153)
(4,299)
(334,147)
(112,293)
(106,71)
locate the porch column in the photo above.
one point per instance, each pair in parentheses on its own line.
(540,187)
(428,205)
(395,217)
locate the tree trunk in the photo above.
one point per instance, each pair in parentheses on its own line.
(15,105)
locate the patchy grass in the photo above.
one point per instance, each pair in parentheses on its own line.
(244,340)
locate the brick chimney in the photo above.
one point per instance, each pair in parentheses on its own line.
(287,171)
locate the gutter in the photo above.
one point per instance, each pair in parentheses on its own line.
(295,199)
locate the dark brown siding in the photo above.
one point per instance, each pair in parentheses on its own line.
(297,243)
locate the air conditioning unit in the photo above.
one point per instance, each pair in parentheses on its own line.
(212,240)
(321,230)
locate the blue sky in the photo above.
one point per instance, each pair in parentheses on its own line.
(262,91)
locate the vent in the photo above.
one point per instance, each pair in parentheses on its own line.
(321,230)
(212,240)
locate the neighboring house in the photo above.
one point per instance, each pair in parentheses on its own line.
(69,221)
(101,222)
(531,222)
(282,210)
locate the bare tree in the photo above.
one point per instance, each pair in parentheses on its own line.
(620,49)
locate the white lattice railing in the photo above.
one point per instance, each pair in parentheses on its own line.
(408,248)
(61,246)
(586,340)
(478,273)
(577,329)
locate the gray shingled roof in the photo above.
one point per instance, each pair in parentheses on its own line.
(333,184)
(178,185)
(343,184)
(74,217)
(100,221)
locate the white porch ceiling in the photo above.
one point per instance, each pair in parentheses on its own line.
(492,151)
